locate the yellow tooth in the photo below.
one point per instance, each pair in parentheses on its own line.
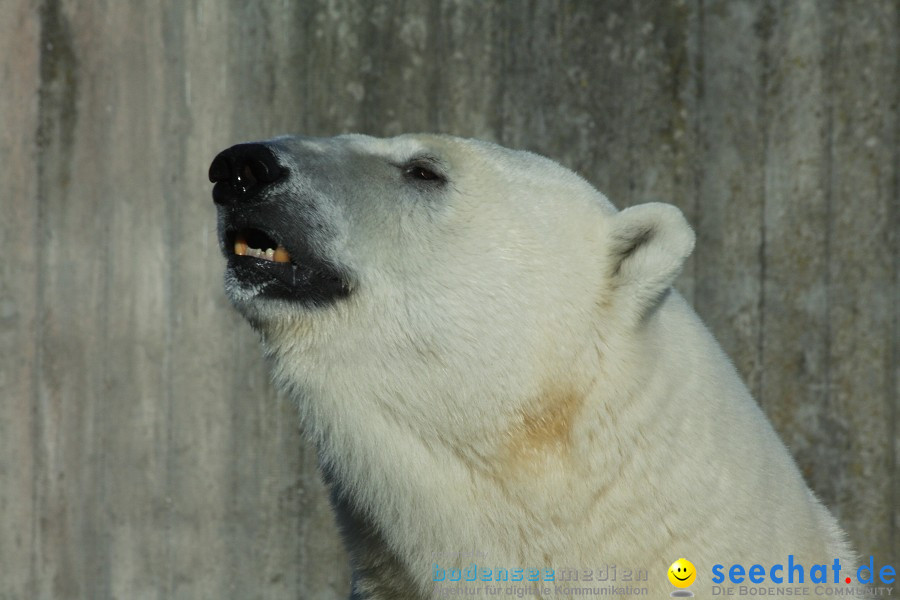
(240,246)
(281,255)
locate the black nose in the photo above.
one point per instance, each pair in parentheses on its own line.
(242,171)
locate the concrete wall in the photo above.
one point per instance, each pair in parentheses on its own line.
(143,453)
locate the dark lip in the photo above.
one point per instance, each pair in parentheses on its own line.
(306,279)
(679,578)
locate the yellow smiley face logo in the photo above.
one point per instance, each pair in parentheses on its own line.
(682,573)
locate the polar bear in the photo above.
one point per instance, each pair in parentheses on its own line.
(501,383)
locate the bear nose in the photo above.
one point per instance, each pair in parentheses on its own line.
(242,171)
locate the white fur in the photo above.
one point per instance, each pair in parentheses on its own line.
(514,376)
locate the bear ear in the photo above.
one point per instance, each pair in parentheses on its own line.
(648,246)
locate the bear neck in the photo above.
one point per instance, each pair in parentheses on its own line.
(434,494)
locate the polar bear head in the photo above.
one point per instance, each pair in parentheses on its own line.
(489,356)
(447,279)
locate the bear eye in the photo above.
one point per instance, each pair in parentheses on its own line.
(423,171)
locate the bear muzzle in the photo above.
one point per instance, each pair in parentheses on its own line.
(266,231)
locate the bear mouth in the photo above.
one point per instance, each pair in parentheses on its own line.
(258,244)
(258,262)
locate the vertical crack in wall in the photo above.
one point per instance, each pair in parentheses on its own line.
(699,141)
(177,125)
(836,445)
(893,368)
(55,137)
(763,27)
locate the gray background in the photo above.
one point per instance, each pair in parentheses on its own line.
(143,453)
